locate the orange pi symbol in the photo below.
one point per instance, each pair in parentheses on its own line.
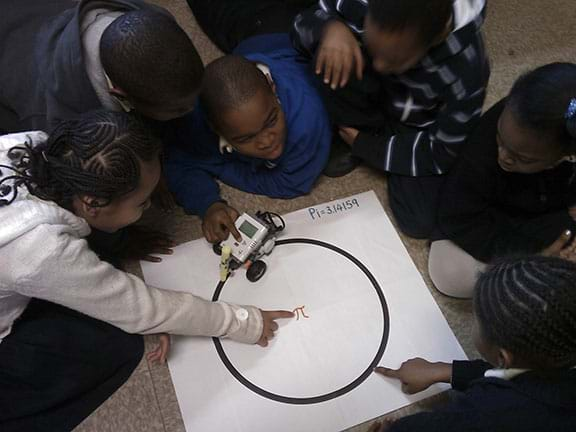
(298,311)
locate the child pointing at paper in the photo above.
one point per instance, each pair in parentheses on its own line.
(70,323)
(525,328)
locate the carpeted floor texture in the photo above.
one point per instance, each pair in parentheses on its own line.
(520,34)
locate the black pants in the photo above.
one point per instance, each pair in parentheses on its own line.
(414,203)
(57,366)
(229,22)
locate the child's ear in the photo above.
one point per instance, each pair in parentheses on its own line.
(505,358)
(118,92)
(90,206)
(122,97)
(272,84)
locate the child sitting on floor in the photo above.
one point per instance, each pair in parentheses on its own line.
(525,328)
(67,319)
(260,127)
(404,81)
(513,189)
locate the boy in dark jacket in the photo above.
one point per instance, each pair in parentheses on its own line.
(404,82)
(62,58)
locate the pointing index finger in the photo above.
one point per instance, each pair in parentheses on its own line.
(387,372)
(281,314)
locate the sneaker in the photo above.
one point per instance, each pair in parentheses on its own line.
(340,162)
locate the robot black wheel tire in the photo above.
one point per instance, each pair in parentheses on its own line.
(217,248)
(256,271)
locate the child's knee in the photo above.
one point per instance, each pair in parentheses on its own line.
(452,270)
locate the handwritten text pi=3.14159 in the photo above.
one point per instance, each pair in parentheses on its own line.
(334,208)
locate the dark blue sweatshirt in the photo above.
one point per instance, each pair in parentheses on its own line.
(193,158)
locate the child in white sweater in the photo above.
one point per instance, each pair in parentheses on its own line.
(67,319)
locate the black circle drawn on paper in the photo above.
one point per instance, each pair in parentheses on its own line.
(336,393)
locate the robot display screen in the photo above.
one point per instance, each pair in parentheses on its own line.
(248,229)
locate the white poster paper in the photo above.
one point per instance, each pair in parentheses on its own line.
(359,301)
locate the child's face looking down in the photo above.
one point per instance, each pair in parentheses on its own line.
(521,150)
(393,53)
(257,128)
(125,210)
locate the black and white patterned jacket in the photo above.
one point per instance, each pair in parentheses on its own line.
(439,99)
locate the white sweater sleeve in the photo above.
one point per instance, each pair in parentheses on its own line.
(62,269)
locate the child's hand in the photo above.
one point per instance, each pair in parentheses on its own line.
(141,243)
(338,54)
(418,374)
(160,353)
(348,134)
(381,425)
(270,325)
(562,247)
(219,221)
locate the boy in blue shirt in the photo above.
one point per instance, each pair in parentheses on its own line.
(260,126)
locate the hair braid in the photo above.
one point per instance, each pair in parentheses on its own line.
(96,155)
(528,306)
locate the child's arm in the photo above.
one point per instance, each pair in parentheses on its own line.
(192,179)
(65,271)
(309,25)
(329,30)
(219,222)
(191,162)
(418,374)
(413,152)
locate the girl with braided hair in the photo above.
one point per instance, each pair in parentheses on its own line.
(70,323)
(525,310)
(513,190)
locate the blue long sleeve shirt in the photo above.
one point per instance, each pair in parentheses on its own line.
(193,160)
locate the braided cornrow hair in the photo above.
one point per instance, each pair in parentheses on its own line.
(97,155)
(528,306)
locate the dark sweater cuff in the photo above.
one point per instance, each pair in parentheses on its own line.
(463,372)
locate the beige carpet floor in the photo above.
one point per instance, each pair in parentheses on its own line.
(520,34)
